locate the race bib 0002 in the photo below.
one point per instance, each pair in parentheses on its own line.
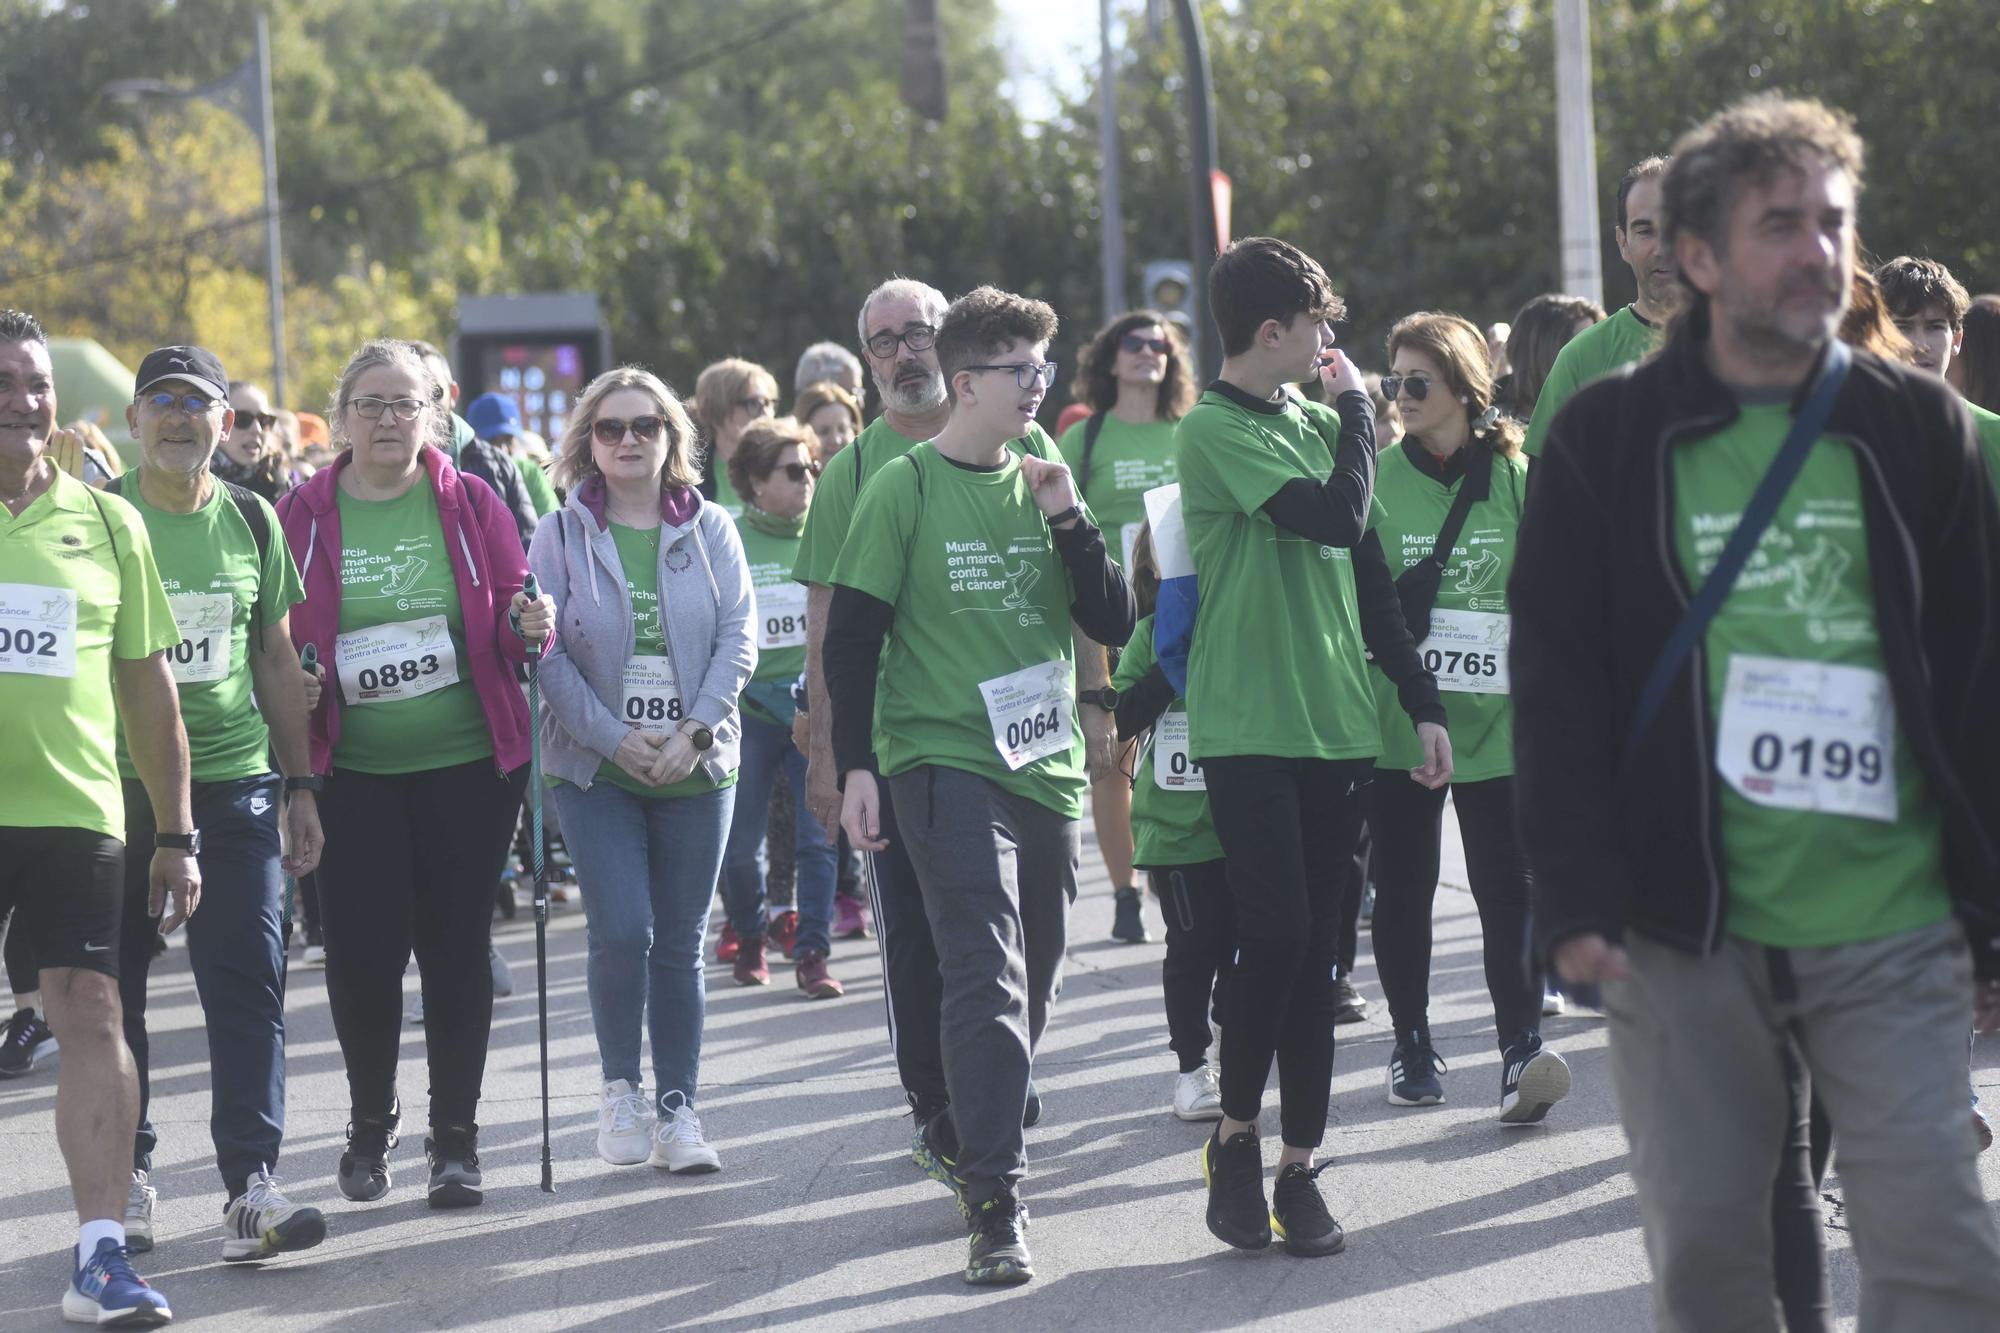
(1809,736)
(1031,712)
(1467,651)
(781,616)
(37,630)
(405,659)
(650,691)
(204,620)
(1174,769)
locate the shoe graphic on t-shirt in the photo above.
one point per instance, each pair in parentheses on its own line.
(399,578)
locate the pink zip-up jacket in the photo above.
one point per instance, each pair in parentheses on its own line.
(486,560)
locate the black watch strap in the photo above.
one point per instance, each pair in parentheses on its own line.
(1057,520)
(179,842)
(309,782)
(1106,698)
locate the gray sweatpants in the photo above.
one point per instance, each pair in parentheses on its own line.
(998,874)
(1697,1053)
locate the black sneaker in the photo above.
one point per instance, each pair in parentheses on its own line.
(1128,924)
(364,1167)
(1348,1006)
(998,1254)
(454,1154)
(24,1043)
(1031,1115)
(1234,1172)
(1532,1079)
(1299,1215)
(1414,1070)
(936,1151)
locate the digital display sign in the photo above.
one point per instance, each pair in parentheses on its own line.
(543,379)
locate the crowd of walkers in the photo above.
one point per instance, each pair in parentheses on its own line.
(1686,613)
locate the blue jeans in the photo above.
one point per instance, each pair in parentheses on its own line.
(235,950)
(646,866)
(767,748)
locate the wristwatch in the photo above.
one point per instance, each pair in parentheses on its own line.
(1057,520)
(314,782)
(180,842)
(700,737)
(1106,698)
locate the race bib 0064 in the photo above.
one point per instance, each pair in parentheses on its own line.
(1174,769)
(1030,711)
(1809,736)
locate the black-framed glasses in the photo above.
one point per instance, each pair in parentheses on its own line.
(757,405)
(194,404)
(798,471)
(918,338)
(1137,343)
(401,409)
(1419,386)
(610,430)
(261,420)
(1027,374)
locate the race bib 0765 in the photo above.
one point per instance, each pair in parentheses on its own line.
(1467,651)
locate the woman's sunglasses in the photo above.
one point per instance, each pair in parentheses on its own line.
(645,430)
(796,471)
(1135,343)
(1418,385)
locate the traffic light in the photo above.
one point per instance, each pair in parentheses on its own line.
(1168,286)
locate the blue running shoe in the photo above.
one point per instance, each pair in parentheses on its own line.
(1413,1071)
(106,1292)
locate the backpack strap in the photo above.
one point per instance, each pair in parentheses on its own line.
(252,512)
(1093,426)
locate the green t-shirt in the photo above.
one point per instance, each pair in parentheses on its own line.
(1169,828)
(78,587)
(407,698)
(208,567)
(840,486)
(1842,841)
(1988,424)
(1276,667)
(771,545)
(967,560)
(639,556)
(1591,355)
(1470,621)
(1126,462)
(535,480)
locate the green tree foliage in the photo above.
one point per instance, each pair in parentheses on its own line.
(730,179)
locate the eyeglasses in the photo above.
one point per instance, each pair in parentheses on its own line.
(798,471)
(401,409)
(261,420)
(918,338)
(194,404)
(1135,344)
(757,405)
(1027,374)
(1419,387)
(609,430)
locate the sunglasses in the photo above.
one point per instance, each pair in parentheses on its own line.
(261,420)
(645,430)
(1419,387)
(797,471)
(1135,344)
(194,404)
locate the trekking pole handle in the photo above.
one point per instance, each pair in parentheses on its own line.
(531,590)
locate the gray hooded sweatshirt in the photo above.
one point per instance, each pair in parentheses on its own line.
(707,612)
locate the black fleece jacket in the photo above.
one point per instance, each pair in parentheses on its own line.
(1632,841)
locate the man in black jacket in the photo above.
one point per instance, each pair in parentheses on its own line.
(480,458)
(1801,845)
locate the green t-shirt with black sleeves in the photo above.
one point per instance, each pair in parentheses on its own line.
(210,571)
(1470,621)
(78,591)
(1988,424)
(981,656)
(639,556)
(1830,834)
(1591,355)
(406,693)
(1169,827)
(1276,667)
(840,486)
(1126,462)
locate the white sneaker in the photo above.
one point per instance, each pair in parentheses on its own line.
(1197,1095)
(677,1143)
(624,1124)
(503,975)
(139,1214)
(262,1222)
(1553,1003)
(315,955)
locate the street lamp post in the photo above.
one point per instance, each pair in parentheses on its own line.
(1202,228)
(246,92)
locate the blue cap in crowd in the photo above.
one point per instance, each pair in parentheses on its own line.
(493,414)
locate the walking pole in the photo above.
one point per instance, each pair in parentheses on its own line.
(541,880)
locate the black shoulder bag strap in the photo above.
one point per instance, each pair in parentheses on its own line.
(1417,586)
(1757,516)
(1093,426)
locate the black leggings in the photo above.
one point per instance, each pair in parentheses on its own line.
(410,862)
(23,977)
(1201,940)
(1407,821)
(1288,828)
